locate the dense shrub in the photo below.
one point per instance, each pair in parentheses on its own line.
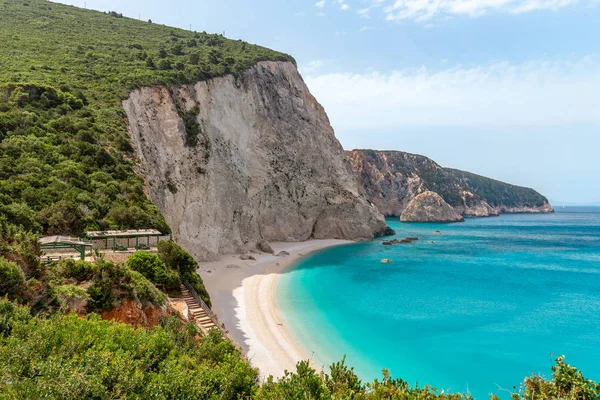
(79,358)
(151,267)
(79,270)
(12,279)
(175,257)
(180,260)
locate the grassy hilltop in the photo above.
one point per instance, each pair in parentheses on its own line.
(65,160)
(66,165)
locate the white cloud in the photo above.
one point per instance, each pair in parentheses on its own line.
(365,28)
(320,4)
(364,13)
(423,10)
(344,7)
(499,94)
(311,66)
(300,14)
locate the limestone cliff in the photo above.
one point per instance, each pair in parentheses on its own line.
(429,207)
(231,161)
(393,178)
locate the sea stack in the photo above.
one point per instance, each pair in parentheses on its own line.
(429,207)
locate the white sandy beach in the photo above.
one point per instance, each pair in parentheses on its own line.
(242,294)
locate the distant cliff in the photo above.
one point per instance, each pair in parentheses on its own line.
(231,161)
(393,178)
(503,197)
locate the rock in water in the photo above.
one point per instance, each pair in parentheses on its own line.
(265,247)
(235,159)
(388,231)
(429,207)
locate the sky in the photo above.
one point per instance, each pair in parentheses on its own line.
(509,89)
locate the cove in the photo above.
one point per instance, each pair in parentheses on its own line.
(476,307)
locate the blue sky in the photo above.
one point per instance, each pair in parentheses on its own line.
(505,88)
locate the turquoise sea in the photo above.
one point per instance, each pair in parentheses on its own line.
(477,307)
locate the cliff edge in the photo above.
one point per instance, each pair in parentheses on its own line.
(234,160)
(392,179)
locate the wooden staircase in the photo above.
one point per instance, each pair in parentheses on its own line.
(199,315)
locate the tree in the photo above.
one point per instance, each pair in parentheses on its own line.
(162,53)
(177,50)
(194,58)
(150,63)
(153,269)
(12,279)
(164,65)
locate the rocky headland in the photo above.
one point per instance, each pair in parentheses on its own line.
(392,179)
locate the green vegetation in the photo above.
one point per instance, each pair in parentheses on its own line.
(180,260)
(498,193)
(86,358)
(66,164)
(153,269)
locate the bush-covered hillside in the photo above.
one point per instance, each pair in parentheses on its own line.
(66,163)
(497,193)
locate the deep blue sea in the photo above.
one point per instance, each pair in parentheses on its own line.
(476,307)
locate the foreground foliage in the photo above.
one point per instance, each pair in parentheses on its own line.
(87,358)
(65,356)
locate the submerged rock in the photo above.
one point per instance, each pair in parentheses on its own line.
(429,207)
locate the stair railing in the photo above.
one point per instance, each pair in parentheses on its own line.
(202,304)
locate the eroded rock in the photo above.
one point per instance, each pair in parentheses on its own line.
(429,207)
(265,247)
(263,163)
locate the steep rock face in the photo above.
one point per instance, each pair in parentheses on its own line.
(232,161)
(429,207)
(393,178)
(133,312)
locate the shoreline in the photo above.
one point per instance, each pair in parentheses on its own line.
(243,297)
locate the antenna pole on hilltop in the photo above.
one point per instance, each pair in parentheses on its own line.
(190,27)
(84,4)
